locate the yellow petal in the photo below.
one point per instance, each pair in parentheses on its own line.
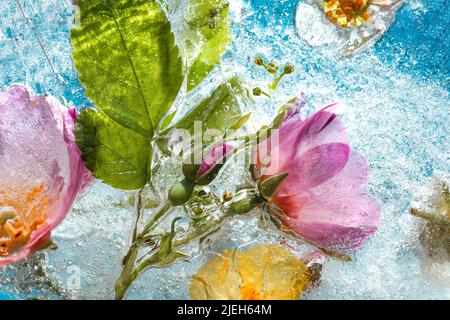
(262,272)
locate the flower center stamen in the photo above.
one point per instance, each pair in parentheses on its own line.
(249,293)
(21,213)
(345,13)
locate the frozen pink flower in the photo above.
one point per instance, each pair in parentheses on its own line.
(41,170)
(205,172)
(324,199)
(213,158)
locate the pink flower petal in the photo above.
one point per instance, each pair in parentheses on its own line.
(324,198)
(297,136)
(339,207)
(27,251)
(335,237)
(312,168)
(37,147)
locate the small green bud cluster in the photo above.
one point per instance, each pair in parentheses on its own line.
(259,61)
(257,91)
(288,69)
(272,68)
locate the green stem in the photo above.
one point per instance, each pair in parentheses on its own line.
(275,83)
(429,216)
(138,207)
(242,203)
(177,244)
(130,258)
(123,282)
(157,215)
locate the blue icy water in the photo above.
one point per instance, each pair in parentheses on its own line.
(395,99)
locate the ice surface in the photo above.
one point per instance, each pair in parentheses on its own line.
(395,103)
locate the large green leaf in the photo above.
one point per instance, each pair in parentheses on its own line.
(221,110)
(116,155)
(127,59)
(209,19)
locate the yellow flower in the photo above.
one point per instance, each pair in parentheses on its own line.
(346,13)
(264,272)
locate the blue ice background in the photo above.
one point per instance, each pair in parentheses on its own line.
(397,115)
(8,296)
(417,44)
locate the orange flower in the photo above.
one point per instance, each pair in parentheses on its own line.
(347,13)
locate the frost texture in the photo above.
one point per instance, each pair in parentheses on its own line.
(396,111)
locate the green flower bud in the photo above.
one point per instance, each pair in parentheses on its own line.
(272,67)
(257,91)
(288,69)
(181,192)
(227,196)
(259,61)
(244,201)
(197,210)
